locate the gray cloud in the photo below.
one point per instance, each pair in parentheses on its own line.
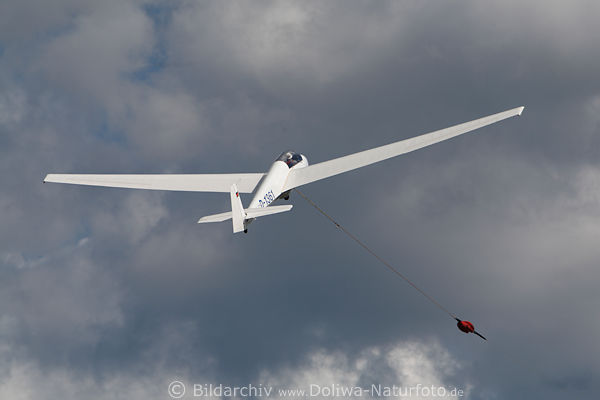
(116,293)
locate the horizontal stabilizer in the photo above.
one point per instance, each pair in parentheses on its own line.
(250,213)
(215,218)
(259,212)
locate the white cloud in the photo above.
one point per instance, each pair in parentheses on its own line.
(404,364)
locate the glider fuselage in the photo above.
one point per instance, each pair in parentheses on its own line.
(271,186)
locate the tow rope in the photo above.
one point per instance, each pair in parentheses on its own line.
(464,326)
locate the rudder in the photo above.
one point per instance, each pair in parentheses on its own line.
(238,215)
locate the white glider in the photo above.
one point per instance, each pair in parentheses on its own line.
(290,170)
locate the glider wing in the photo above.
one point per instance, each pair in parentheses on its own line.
(177,182)
(315,172)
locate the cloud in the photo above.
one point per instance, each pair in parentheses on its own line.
(279,43)
(405,364)
(13,106)
(107,289)
(88,59)
(135,217)
(27,379)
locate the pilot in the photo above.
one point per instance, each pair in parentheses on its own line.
(290,160)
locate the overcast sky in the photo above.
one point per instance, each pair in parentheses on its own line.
(113,293)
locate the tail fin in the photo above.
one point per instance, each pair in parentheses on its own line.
(238,215)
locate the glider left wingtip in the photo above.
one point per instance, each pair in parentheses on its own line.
(520,110)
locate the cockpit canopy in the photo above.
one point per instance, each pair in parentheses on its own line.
(290,158)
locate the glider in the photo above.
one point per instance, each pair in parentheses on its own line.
(290,170)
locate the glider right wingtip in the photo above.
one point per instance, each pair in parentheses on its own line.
(520,110)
